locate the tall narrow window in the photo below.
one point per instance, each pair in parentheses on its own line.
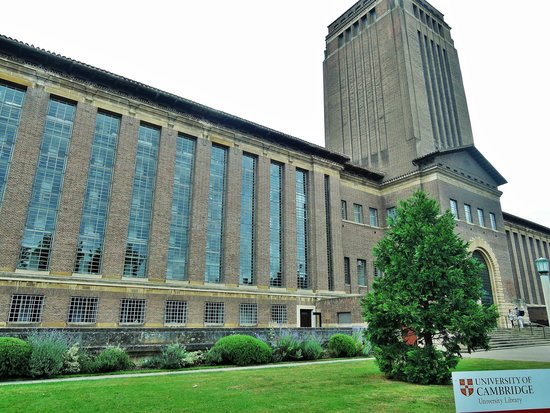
(362,272)
(96,199)
(481,217)
(358,213)
(276,225)
(36,246)
(344,209)
(347,271)
(468,213)
(11,103)
(137,245)
(329,234)
(391,214)
(454,208)
(216,197)
(181,209)
(248,215)
(301,228)
(373,217)
(493,219)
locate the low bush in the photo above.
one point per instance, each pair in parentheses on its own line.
(342,345)
(112,359)
(47,354)
(286,348)
(312,349)
(241,350)
(71,360)
(86,361)
(173,357)
(14,357)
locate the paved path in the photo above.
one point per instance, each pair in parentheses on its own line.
(535,353)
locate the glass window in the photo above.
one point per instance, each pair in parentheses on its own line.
(137,245)
(83,310)
(279,314)
(391,214)
(481,217)
(454,208)
(276,225)
(216,203)
(248,314)
(248,218)
(178,243)
(36,245)
(132,311)
(96,198)
(344,209)
(328,225)
(214,313)
(468,213)
(344,318)
(493,219)
(26,308)
(377,271)
(11,104)
(358,213)
(347,271)
(373,217)
(175,312)
(301,228)
(362,272)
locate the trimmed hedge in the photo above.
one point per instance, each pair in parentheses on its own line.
(14,357)
(112,359)
(241,350)
(341,345)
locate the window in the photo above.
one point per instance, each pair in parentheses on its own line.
(415,10)
(344,209)
(454,208)
(279,314)
(11,104)
(361,272)
(248,314)
(481,217)
(175,312)
(97,195)
(26,308)
(248,213)
(377,272)
(468,213)
(276,225)
(391,214)
(214,313)
(132,311)
(347,272)
(36,245)
(181,209)
(143,187)
(358,213)
(83,310)
(493,219)
(302,222)
(328,224)
(373,217)
(372,15)
(216,204)
(344,318)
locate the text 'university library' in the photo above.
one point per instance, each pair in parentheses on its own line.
(125,206)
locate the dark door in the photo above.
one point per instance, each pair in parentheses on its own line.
(305,318)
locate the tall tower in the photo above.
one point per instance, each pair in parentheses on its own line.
(393,86)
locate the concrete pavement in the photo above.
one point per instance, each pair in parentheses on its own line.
(535,353)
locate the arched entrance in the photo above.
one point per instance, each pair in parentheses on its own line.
(487,297)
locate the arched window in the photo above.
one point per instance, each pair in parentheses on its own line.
(487,297)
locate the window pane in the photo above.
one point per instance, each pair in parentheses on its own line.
(248,215)
(276,225)
(301,228)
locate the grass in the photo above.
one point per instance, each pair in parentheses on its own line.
(341,387)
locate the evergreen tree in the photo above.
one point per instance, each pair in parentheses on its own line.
(426,303)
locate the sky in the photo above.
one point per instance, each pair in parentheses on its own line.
(262,61)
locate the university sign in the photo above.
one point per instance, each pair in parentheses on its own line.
(502,391)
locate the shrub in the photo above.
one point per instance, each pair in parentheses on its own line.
(427,365)
(173,357)
(47,354)
(241,350)
(194,358)
(342,345)
(86,361)
(112,359)
(154,362)
(312,349)
(14,357)
(286,348)
(71,360)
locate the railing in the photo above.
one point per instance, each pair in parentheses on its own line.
(527,327)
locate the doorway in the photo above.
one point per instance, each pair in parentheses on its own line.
(305,318)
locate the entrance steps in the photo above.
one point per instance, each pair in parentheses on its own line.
(531,335)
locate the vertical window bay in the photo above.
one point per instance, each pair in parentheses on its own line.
(248,191)
(302,229)
(276,225)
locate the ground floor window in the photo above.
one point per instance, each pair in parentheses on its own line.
(83,310)
(175,312)
(132,311)
(248,315)
(214,313)
(279,314)
(26,308)
(344,318)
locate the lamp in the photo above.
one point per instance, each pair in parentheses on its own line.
(542,266)
(542,269)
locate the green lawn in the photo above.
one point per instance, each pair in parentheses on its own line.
(343,387)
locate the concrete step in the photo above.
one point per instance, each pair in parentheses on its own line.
(511,338)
